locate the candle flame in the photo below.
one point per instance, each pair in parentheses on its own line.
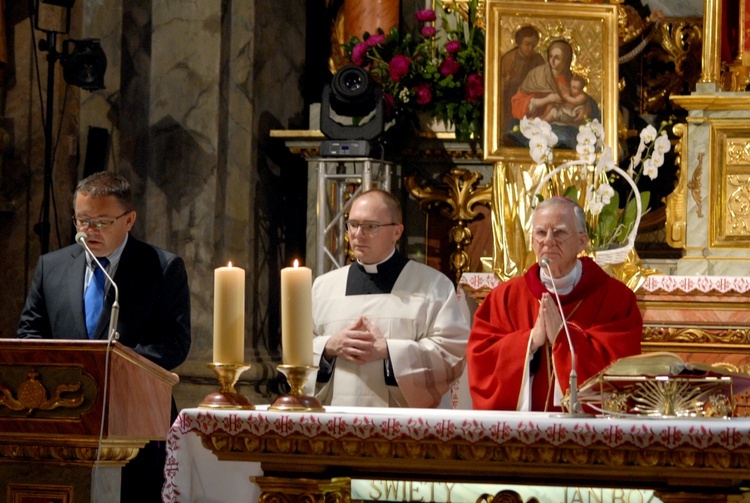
(229,264)
(296,263)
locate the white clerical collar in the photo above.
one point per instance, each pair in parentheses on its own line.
(564,284)
(373,268)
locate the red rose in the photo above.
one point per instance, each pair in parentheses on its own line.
(474,87)
(426,15)
(398,67)
(358,53)
(453,46)
(428,31)
(376,39)
(449,66)
(424,93)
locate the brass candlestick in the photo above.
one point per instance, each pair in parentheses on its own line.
(296,400)
(227,397)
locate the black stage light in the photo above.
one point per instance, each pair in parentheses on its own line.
(351,114)
(84,63)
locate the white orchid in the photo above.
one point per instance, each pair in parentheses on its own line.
(648,134)
(662,143)
(650,168)
(605,192)
(609,222)
(539,149)
(606,161)
(636,159)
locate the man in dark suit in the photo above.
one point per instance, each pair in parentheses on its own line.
(154,300)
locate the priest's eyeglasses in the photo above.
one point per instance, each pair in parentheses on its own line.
(98,223)
(560,234)
(367,228)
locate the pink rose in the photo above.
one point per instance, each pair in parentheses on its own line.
(428,31)
(424,93)
(358,53)
(375,39)
(398,67)
(449,66)
(453,46)
(474,87)
(426,15)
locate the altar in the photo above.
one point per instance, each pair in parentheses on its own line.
(312,456)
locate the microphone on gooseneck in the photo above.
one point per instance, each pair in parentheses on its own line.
(575,408)
(82,239)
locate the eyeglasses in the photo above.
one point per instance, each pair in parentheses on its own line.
(367,229)
(99,223)
(559,235)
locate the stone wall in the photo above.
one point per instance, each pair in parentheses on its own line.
(192,89)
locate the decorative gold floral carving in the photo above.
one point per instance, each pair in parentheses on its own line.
(456,197)
(696,335)
(281,490)
(676,204)
(415,453)
(738,203)
(677,43)
(32,395)
(694,185)
(70,451)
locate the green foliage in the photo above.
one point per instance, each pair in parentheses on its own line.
(440,73)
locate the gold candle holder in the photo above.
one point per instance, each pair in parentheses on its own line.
(227,397)
(296,400)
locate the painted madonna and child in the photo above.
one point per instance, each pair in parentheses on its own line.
(546,87)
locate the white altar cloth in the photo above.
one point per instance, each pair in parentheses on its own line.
(194,474)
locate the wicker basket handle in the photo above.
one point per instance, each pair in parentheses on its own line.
(628,178)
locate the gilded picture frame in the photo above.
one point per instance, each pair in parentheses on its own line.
(533,51)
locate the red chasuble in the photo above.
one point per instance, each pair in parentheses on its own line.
(604,321)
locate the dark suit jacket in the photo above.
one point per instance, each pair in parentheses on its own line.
(154,301)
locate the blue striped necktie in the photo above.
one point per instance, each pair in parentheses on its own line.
(93,299)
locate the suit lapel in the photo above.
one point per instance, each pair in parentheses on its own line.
(119,277)
(75,271)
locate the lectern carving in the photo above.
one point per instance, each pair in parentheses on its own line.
(72,413)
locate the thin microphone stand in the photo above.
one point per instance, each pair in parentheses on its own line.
(575,407)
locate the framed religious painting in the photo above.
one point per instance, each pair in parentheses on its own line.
(556,61)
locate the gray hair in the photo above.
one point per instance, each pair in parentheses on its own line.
(568,203)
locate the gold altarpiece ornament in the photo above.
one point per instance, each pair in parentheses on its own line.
(456,197)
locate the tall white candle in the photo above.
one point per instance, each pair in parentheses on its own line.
(296,315)
(229,314)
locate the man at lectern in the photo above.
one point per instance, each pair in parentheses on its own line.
(519,354)
(389,332)
(71,298)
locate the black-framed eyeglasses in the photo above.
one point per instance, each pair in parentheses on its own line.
(368,229)
(98,223)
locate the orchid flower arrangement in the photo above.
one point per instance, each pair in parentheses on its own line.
(440,71)
(609,224)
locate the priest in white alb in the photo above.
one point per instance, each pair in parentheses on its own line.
(389,332)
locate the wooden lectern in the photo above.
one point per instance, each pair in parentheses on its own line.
(54,413)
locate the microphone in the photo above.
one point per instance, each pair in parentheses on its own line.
(575,407)
(82,239)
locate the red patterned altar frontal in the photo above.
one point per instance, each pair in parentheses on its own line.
(696,285)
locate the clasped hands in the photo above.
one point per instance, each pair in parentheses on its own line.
(548,323)
(361,342)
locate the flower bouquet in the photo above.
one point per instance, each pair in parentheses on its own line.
(612,226)
(437,72)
